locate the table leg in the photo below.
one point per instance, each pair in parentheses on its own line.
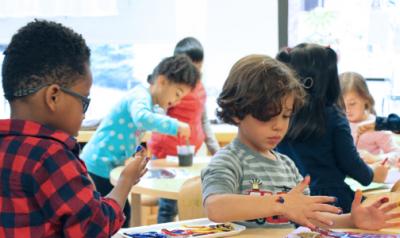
(136,210)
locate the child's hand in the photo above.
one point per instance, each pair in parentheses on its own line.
(380,172)
(301,208)
(368,157)
(374,216)
(184,130)
(370,126)
(136,168)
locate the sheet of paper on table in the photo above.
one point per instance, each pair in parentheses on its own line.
(181,225)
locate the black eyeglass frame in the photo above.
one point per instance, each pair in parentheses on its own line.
(28,91)
(84,100)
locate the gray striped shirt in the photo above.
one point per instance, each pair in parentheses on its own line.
(235,168)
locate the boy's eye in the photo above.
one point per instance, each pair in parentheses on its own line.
(287,116)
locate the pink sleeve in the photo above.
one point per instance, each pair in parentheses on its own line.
(387,143)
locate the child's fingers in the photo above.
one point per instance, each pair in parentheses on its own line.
(303,185)
(303,221)
(357,199)
(391,224)
(392,216)
(319,217)
(326,208)
(322,199)
(309,224)
(390,207)
(144,162)
(143,172)
(141,153)
(380,202)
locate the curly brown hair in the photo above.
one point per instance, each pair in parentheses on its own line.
(256,85)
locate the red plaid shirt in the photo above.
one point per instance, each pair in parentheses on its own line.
(45,190)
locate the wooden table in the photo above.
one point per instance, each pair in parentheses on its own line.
(163,188)
(223,132)
(283,232)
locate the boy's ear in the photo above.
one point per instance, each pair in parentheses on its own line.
(236,120)
(52,96)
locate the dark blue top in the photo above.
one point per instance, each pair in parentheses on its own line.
(329,159)
(390,123)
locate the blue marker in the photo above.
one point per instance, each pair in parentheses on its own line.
(138,148)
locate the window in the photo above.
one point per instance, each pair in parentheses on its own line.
(365,34)
(129,43)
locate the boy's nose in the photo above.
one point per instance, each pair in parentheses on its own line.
(278,125)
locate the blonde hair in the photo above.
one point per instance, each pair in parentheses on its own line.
(355,82)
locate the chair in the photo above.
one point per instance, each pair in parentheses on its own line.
(149,210)
(396,186)
(190,204)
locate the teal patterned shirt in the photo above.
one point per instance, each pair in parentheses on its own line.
(122,129)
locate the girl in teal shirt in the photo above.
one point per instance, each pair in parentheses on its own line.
(122,129)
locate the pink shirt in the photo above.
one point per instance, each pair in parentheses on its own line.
(376,142)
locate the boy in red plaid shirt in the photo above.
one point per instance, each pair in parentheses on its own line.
(45,190)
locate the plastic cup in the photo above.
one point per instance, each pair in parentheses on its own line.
(185,154)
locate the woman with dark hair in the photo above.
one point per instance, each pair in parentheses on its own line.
(319,138)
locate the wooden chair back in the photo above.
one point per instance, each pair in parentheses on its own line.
(190,204)
(396,186)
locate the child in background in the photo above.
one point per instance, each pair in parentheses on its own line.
(358,103)
(319,138)
(45,189)
(191,109)
(122,129)
(260,96)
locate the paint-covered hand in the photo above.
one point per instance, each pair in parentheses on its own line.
(376,216)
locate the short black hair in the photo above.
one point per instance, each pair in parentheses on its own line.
(191,47)
(43,52)
(178,69)
(256,85)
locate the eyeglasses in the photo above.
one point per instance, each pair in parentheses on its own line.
(28,91)
(84,100)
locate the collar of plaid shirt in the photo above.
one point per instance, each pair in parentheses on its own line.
(31,128)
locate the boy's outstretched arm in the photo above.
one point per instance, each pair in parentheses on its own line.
(295,206)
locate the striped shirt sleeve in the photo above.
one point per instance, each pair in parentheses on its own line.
(222,175)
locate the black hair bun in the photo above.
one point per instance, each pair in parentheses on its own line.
(283,56)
